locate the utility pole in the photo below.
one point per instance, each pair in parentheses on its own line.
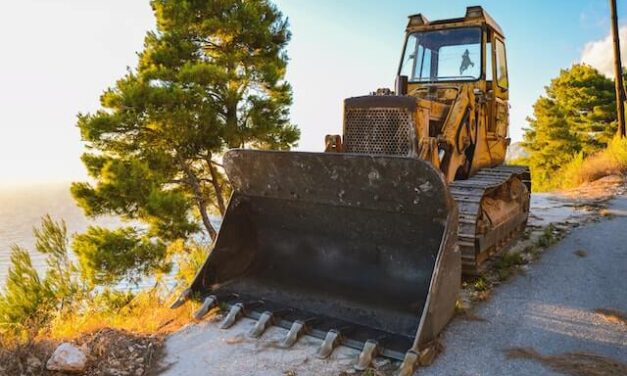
(618,73)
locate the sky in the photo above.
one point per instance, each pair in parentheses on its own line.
(59,55)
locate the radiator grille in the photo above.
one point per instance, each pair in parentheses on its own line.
(384,131)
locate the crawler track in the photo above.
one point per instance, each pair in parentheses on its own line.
(477,238)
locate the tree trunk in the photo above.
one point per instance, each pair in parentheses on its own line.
(201,202)
(216,186)
(618,72)
(232,135)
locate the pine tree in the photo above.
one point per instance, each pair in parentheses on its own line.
(211,77)
(587,99)
(576,115)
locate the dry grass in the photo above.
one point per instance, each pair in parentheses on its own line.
(145,315)
(611,161)
(575,364)
(141,325)
(612,315)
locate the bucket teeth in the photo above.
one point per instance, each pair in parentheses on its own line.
(369,352)
(297,329)
(262,324)
(234,314)
(182,298)
(408,367)
(207,304)
(330,343)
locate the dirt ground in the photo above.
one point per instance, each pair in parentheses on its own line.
(109,353)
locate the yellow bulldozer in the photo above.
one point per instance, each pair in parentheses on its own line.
(364,245)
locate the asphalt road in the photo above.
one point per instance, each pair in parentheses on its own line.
(550,308)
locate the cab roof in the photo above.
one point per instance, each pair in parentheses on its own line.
(475,16)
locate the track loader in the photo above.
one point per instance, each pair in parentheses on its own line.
(365,244)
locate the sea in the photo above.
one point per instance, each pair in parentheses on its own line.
(21,209)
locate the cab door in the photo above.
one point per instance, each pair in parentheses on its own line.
(499,120)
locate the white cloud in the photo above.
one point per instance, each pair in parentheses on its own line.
(600,53)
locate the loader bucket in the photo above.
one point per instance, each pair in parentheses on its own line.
(350,248)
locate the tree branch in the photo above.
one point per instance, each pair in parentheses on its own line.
(216,185)
(201,202)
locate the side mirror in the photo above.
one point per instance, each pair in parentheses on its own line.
(400,86)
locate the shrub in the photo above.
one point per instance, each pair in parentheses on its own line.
(28,302)
(610,161)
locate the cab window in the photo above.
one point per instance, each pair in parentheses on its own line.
(443,55)
(501,65)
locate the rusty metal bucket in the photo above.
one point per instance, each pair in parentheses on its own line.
(353,249)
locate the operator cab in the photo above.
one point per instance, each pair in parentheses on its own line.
(442,58)
(468,49)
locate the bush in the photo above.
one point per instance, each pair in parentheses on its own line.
(611,161)
(28,302)
(75,297)
(570,174)
(580,169)
(23,297)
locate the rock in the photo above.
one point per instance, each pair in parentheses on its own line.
(67,358)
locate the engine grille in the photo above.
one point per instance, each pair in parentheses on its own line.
(384,131)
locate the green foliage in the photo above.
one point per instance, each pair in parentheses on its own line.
(109,300)
(190,257)
(506,264)
(23,294)
(130,188)
(569,175)
(211,77)
(110,256)
(52,240)
(577,116)
(481,284)
(27,301)
(548,237)
(587,99)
